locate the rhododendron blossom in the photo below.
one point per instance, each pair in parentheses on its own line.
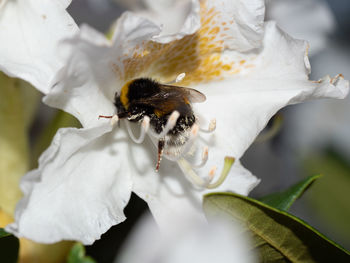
(248,69)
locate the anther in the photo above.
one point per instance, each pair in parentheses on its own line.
(225,171)
(204,158)
(179,78)
(211,127)
(169,125)
(143,130)
(212,173)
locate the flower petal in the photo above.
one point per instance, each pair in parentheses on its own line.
(176,18)
(247,102)
(169,194)
(236,18)
(87,85)
(29,33)
(189,241)
(79,190)
(197,54)
(242,21)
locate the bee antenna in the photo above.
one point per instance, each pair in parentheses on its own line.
(114,118)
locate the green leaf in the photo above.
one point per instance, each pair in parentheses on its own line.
(14,146)
(77,255)
(278,236)
(285,199)
(3,233)
(9,246)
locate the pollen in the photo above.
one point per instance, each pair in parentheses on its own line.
(199,54)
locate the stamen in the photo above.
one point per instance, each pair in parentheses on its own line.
(212,173)
(206,183)
(169,125)
(227,167)
(190,174)
(204,158)
(178,78)
(143,130)
(211,127)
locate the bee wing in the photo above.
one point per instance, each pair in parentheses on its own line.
(195,95)
(171,98)
(191,94)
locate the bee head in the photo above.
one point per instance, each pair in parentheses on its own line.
(135,90)
(142,88)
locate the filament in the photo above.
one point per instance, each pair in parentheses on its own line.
(204,158)
(143,130)
(193,177)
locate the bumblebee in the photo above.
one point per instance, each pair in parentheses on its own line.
(146,97)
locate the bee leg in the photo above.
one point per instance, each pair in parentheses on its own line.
(161,144)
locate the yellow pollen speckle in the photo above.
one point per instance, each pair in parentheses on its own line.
(226,67)
(198,55)
(215,30)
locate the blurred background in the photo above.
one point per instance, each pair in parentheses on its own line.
(313,137)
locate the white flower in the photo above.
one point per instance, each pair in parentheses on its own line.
(247,69)
(220,241)
(30,31)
